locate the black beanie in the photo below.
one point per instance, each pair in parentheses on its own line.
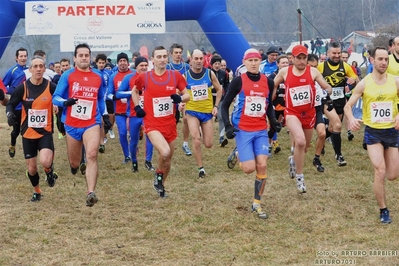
(122,56)
(215,59)
(139,60)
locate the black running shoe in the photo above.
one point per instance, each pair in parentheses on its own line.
(50,180)
(158,184)
(149,166)
(318,165)
(36,197)
(135,167)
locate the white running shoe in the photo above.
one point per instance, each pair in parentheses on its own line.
(300,184)
(111,134)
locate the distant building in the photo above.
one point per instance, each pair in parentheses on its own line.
(359,39)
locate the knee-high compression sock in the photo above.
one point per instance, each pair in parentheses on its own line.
(336,142)
(34,180)
(260,183)
(328,133)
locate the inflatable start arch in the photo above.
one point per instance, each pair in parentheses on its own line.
(211,15)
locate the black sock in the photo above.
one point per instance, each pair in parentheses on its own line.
(328,133)
(336,142)
(317,157)
(382,210)
(34,179)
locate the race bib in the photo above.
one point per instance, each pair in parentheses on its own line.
(162,106)
(255,106)
(381,112)
(199,92)
(82,109)
(337,93)
(141,101)
(37,118)
(300,95)
(320,94)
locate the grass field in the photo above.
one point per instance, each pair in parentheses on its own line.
(202,222)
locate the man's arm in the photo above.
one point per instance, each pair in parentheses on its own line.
(123,90)
(218,88)
(61,92)
(234,89)
(354,124)
(15,99)
(319,79)
(278,80)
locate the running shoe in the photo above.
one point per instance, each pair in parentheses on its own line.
(105,140)
(276,147)
(111,134)
(36,197)
(82,168)
(149,166)
(258,210)
(127,159)
(223,142)
(11,151)
(135,167)
(292,169)
(350,135)
(300,184)
(186,150)
(318,165)
(158,184)
(60,136)
(340,160)
(384,217)
(232,159)
(101,149)
(201,173)
(91,199)
(50,179)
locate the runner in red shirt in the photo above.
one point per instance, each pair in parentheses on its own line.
(159,88)
(300,113)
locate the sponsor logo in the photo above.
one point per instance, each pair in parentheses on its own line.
(39,9)
(94,24)
(149,25)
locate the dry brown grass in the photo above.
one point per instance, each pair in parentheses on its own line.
(202,222)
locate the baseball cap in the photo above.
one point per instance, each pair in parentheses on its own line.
(272,49)
(299,49)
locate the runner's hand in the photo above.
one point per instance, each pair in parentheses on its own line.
(230,131)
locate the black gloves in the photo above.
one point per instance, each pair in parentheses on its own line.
(139,111)
(11,119)
(327,101)
(176,98)
(230,131)
(2,95)
(276,125)
(107,123)
(70,101)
